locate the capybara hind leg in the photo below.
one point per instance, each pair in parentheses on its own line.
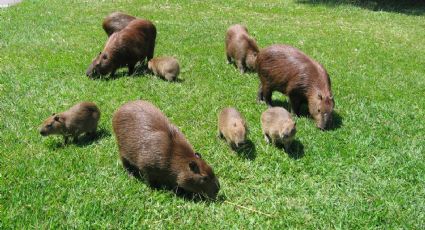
(267,95)
(220,134)
(229,59)
(131,69)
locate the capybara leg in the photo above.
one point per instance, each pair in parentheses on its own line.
(66,139)
(267,138)
(295,105)
(130,69)
(240,66)
(131,169)
(75,138)
(92,134)
(260,97)
(151,50)
(229,59)
(113,73)
(220,134)
(267,95)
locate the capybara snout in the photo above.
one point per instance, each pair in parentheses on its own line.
(321,109)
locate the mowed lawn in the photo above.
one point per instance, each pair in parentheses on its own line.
(367,172)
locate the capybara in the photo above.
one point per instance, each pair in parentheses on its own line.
(159,151)
(134,43)
(241,48)
(286,69)
(165,67)
(115,22)
(232,127)
(278,126)
(80,118)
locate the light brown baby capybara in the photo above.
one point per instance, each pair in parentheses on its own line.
(115,22)
(80,118)
(232,127)
(134,43)
(286,69)
(278,126)
(165,67)
(241,48)
(159,151)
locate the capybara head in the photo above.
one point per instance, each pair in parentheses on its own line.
(321,108)
(101,65)
(200,178)
(52,125)
(238,134)
(250,61)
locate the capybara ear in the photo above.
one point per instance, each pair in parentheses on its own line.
(194,167)
(105,56)
(198,155)
(58,118)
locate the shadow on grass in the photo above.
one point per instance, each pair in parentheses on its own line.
(336,121)
(410,7)
(82,140)
(295,151)
(134,172)
(246,151)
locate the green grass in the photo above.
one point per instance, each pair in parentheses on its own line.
(368,173)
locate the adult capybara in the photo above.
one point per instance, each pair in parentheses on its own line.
(241,48)
(80,118)
(134,43)
(115,22)
(286,69)
(278,126)
(165,67)
(232,127)
(148,142)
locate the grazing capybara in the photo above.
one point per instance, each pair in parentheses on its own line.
(278,126)
(232,127)
(159,151)
(115,22)
(241,48)
(286,69)
(80,118)
(134,43)
(165,67)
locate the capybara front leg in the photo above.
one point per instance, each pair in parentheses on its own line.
(240,66)
(131,69)
(295,102)
(260,97)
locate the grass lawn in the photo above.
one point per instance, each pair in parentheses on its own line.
(368,172)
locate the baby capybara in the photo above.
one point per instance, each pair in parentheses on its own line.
(232,127)
(159,151)
(288,70)
(115,22)
(241,48)
(80,118)
(134,43)
(278,126)
(165,67)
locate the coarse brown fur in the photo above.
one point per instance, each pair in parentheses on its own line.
(278,126)
(134,43)
(116,21)
(80,118)
(232,127)
(288,70)
(159,151)
(241,48)
(165,67)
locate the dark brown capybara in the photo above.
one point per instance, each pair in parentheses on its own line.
(165,67)
(115,22)
(80,118)
(278,126)
(134,43)
(241,48)
(148,142)
(232,127)
(286,69)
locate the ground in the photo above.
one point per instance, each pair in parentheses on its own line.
(366,172)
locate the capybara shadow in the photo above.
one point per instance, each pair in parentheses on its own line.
(295,151)
(88,140)
(246,151)
(336,122)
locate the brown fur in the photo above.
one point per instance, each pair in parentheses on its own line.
(232,127)
(134,43)
(165,67)
(241,48)
(115,22)
(148,142)
(287,70)
(278,126)
(80,118)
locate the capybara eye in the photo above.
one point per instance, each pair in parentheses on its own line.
(318,110)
